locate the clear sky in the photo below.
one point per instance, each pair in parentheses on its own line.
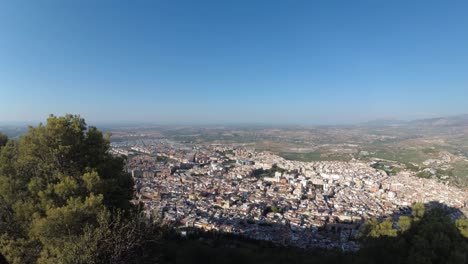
(233,61)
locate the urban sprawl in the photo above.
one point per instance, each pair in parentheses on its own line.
(231,188)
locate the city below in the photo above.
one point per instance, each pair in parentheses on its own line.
(232,188)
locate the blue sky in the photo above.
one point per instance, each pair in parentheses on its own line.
(303,62)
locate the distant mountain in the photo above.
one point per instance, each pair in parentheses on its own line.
(450,121)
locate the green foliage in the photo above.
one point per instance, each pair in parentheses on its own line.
(3,139)
(273,209)
(375,229)
(412,167)
(462,225)
(418,210)
(261,173)
(395,171)
(426,237)
(402,155)
(163,159)
(58,187)
(404,223)
(387,167)
(277,210)
(424,174)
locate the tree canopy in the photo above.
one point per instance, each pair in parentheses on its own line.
(3,139)
(427,236)
(61,191)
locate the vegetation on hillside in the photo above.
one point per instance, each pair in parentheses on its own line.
(65,199)
(261,173)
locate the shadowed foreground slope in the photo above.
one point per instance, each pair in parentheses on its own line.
(425,237)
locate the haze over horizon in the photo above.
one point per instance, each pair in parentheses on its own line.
(235,124)
(332,62)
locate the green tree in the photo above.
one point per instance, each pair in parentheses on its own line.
(374,229)
(3,139)
(58,188)
(417,211)
(462,225)
(404,223)
(386,228)
(436,237)
(369,228)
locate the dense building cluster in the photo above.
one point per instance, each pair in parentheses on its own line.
(232,189)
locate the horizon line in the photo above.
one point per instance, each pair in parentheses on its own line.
(91,122)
